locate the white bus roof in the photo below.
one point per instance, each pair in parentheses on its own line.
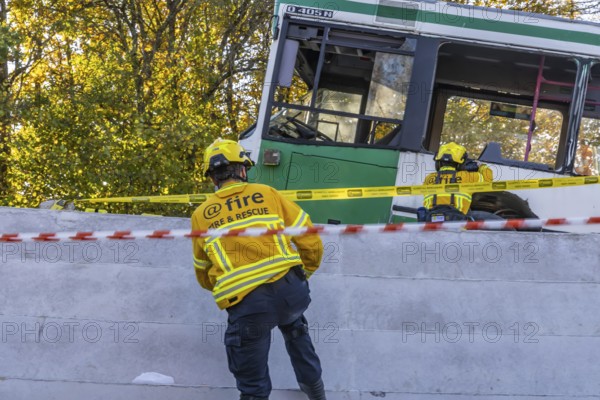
(503,27)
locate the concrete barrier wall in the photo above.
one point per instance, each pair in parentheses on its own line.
(457,315)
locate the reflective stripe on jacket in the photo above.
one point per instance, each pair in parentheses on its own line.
(462,201)
(233,266)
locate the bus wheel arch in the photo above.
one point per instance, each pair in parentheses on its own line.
(503,204)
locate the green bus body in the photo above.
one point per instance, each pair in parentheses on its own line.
(319,167)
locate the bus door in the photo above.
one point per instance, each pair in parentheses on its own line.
(337,105)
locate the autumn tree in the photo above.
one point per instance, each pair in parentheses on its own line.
(588,9)
(120,97)
(129,92)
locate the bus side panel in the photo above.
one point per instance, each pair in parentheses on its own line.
(305,167)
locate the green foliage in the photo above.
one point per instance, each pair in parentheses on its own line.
(468,122)
(120,97)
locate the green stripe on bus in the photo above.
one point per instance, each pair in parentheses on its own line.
(512,28)
(469,22)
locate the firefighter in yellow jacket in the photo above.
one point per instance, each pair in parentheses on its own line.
(260,281)
(452,166)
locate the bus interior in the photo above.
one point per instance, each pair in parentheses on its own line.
(517,107)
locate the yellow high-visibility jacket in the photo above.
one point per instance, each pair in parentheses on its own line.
(462,201)
(233,266)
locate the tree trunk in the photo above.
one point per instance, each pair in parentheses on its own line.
(5,111)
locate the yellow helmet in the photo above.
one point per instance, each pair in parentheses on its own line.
(224,152)
(451,152)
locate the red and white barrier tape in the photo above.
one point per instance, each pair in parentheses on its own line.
(321,229)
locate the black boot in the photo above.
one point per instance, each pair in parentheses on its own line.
(316,391)
(248,397)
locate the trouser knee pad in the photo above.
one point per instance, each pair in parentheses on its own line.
(295,331)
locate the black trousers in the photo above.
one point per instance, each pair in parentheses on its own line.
(248,336)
